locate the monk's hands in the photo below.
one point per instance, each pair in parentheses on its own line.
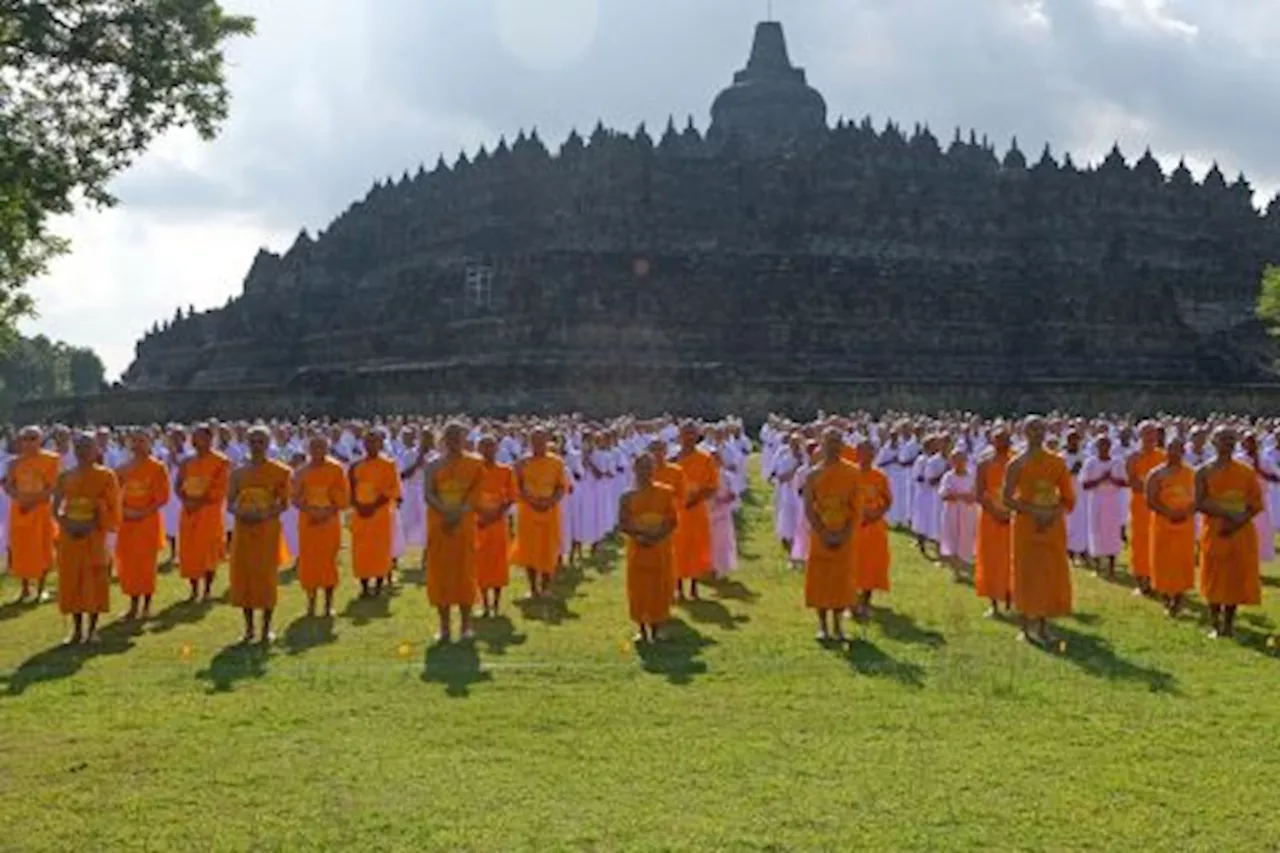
(364,510)
(1044,518)
(76,529)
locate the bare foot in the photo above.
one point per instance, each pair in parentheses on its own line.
(991,613)
(442,638)
(247,639)
(74,640)
(822,637)
(1024,637)
(268,638)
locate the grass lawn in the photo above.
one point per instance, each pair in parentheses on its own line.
(934,731)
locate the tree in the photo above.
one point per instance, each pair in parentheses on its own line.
(1269,300)
(85,87)
(86,372)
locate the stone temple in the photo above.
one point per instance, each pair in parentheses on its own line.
(771,251)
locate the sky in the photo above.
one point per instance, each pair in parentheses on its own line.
(331,95)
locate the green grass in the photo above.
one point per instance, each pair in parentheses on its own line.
(935,731)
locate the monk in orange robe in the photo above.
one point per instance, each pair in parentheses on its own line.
(647,516)
(30,484)
(1038,490)
(667,473)
(451,486)
(375,493)
(495,496)
(1171,495)
(259,496)
(1229,496)
(993,574)
(1138,467)
(541,482)
(832,505)
(87,509)
(871,545)
(202,536)
(321,493)
(144,490)
(693,535)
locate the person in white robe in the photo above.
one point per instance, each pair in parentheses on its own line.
(957,493)
(1104,481)
(1078,518)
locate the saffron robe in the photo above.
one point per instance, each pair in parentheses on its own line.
(323,486)
(1173,545)
(144,487)
(649,567)
(493,541)
(1041,572)
(373,538)
(451,553)
(871,542)
(1229,566)
(1143,463)
(258,550)
(202,533)
(538,533)
(32,534)
(84,563)
(829,572)
(693,540)
(993,573)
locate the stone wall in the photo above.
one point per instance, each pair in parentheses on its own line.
(705,391)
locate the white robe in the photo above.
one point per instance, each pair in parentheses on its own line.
(1105,507)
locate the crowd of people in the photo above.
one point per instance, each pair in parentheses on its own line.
(1015,504)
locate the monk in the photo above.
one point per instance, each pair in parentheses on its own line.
(667,473)
(647,516)
(259,495)
(202,487)
(693,539)
(541,483)
(375,494)
(871,546)
(30,484)
(1229,496)
(1039,491)
(495,496)
(145,491)
(451,484)
(321,493)
(87,508)
(832,506)
(1171,495)
(993,575)
(1137,468)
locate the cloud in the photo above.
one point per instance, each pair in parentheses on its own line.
(333,94)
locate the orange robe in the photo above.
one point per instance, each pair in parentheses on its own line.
(32,534)
(1140,514)
(992,574)
(257,550)
(1173,546)
(829,573)
(649,571)
(493,542)
(322,486)
(451,553)
(672,476)
(1041,572)
(372,538)
(538,533)
(693,536)
(84,564)
(1229,570)
(871,542)
(202,534)
(144,487)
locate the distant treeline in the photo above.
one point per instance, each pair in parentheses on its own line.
(31,368)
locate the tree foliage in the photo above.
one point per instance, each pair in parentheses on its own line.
(32,368)
(85,87)
(1269,300)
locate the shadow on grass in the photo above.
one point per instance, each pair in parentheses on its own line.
(677,654)
(456,666)
(412,577)
(63,661)
(731,590)
(904,629)
(289,576)
(1087,619)
(363,611)
(309,632)
(742,535)
(866,658)
(498,633)
(1245,634)
(178,614)
(554,609)
(713,613)
(1097,657)
(605,560)
(235,663)
(14,609)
